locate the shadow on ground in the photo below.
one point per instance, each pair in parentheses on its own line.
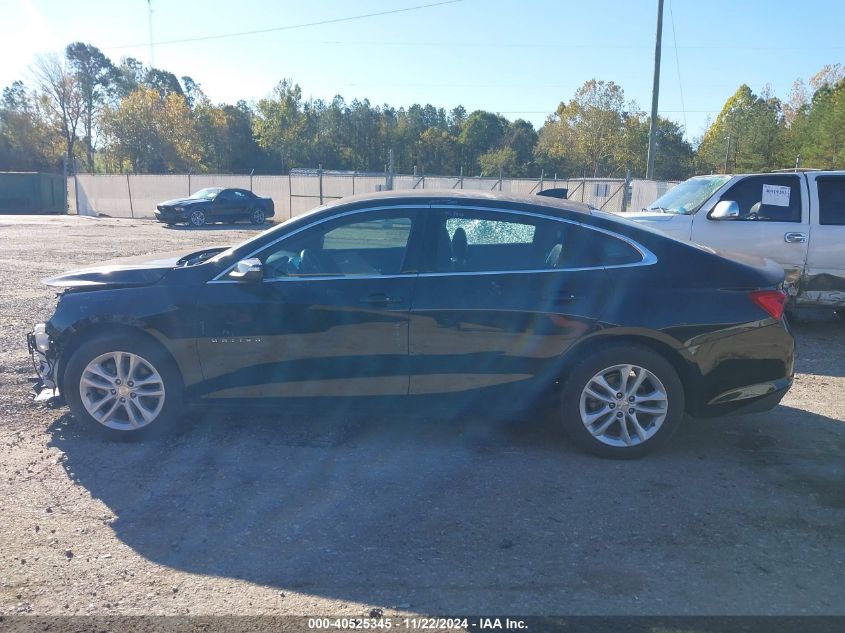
(219,226)
(407,504)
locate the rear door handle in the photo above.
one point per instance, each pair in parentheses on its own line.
(794,237)
(379,298)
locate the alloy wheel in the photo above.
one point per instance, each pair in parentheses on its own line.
(122,391)
(198,217)
(257,217)
(623,405)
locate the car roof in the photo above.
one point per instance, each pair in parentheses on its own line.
(464,196)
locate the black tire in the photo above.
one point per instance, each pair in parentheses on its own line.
(198,218)
(257,216)
(149,351)
(606,357)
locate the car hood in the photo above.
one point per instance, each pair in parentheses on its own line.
(182,202)
(141,270)
(648,216)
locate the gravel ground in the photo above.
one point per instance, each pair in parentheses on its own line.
(338,510)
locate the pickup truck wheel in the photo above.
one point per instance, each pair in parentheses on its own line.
(124,387)
(256,216)
(622,402)
(197,218)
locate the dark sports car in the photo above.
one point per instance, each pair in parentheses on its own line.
(216,205)
(423,293)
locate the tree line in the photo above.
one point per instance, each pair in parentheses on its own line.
(97,116)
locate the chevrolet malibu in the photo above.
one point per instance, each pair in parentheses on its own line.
(411,293)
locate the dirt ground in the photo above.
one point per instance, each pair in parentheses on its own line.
(338,510)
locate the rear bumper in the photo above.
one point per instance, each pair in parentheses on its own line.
(750,399)
(747,372)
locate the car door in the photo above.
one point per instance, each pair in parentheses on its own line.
(241,204)
(773,221)
(503,294)
(825,277)
(329,318)
(223,206)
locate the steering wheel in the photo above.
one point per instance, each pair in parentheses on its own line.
(313,263)
(276,267)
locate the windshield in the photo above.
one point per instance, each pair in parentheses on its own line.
(687,197)
(206,194)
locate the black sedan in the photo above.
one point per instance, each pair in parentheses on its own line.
(216,205)
(427,293)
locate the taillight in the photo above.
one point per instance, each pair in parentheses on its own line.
(772,301)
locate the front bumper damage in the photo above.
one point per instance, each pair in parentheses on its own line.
(44,357)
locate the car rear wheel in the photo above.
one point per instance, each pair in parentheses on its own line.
(197,218)
(622,401)
(123,386)
(256,216)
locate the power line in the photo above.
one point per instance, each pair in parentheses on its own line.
(678,65)
(289,27)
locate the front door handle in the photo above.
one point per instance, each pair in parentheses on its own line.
(793,237)
(379,298)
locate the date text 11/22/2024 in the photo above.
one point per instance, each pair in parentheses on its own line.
(418,623)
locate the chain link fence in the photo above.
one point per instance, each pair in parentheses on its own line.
(136,196)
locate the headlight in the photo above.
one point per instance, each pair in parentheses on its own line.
(42,339)
(178,208)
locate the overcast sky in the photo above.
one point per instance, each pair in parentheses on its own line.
(517,57)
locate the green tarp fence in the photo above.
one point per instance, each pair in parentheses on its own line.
(32,192)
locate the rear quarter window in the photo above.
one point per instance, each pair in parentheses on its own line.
(612,251)
(831,200)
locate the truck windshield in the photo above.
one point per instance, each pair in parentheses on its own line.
(687,197)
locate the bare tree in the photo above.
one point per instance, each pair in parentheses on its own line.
(63,97)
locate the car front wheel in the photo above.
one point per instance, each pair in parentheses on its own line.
(622,401)
(197,218)
(123,386)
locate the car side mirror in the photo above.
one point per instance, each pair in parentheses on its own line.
(248,270)
(725,210)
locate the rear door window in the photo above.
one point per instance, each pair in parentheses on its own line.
(470,240)
(767,198)
(831,200)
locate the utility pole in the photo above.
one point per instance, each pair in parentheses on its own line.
(150,14)
(655,91)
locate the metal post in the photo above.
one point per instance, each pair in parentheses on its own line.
(64,173)
(391,170)
(129,190)
(320,173)
(462,176)
(626,193)
(290,197)
(250,179)
(189,181)
(353,183)
(797,162)
(500,178)
(542,174)
(76,191)
(655,91)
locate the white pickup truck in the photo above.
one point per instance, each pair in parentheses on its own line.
(796,218)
